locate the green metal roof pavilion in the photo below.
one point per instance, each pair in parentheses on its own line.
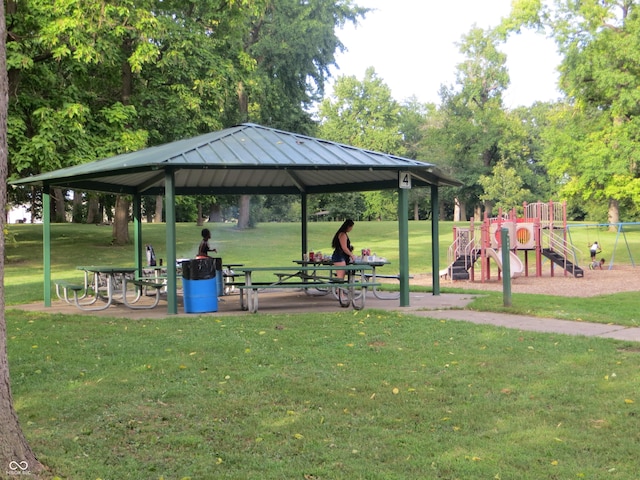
(246,159)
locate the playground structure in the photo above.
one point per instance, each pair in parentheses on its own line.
(542,231)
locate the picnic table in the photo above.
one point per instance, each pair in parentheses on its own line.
(103,285)
(349,291)
(370,277)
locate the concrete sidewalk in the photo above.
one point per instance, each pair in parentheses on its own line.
(537,324)
(447,306)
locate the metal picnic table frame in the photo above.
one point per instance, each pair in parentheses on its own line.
(308,277)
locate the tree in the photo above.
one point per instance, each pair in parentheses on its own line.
(293,45)
(365,115)
(469,133)
(503,187)
(595,158)
(362,114)
(14,449)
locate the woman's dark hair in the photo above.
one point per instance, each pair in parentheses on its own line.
(335,243)
(206,233)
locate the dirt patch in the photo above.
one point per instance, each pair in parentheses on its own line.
(622,278)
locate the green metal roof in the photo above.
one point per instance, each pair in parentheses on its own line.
(245,159)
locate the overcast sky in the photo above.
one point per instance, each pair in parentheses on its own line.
(412,46)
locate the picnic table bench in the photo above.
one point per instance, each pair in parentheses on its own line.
(348,292)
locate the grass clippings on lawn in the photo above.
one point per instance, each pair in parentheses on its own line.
(339,396)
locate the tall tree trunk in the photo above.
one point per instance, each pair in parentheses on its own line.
(76,210)
(200,220)
(488,207)
(159,206)
(16,455)
(33,205)
(215,213)
(121,221)
(459,210)
(477,213)
(93,214)
(59,206)
(441,214)
(614,214)
(416,211)
(243,207)
(243,213)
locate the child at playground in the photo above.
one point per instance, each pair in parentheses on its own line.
(597,264)
(595,250)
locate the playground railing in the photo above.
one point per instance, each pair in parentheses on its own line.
(563,247)
(462,249)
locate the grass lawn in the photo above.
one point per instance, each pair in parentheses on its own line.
(351,395)
(354,395)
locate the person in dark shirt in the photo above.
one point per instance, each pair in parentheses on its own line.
(204,248)
(342,249)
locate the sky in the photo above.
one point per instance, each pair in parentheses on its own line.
(412,46)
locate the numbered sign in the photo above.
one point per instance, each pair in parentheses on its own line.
(404,179)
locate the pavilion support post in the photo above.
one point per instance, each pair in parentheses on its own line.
(435,240)
(137,231)
(403,233)
(304,216)
(170,209)
(46,244)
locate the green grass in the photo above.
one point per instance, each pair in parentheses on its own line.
(620,308)
(364,395)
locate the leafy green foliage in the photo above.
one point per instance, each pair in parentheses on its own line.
(503,187)
(362,114)
(468,133)
(595,157)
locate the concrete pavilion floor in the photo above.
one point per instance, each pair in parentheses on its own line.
(274,302)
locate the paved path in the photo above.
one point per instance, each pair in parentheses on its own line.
(448,306)
(537,324)
(451,307)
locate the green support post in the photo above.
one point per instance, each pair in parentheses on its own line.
(303,218)
(170,209)
(435,240)
(403,233)
(137,232)
(46,244)
(506,267)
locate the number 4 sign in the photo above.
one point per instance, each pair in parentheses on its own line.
(404,179)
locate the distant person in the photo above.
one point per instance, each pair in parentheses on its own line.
(342,249)
(597,265)
(205,248)
(595,250)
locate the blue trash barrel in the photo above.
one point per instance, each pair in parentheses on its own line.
(199,286)
(219,276)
